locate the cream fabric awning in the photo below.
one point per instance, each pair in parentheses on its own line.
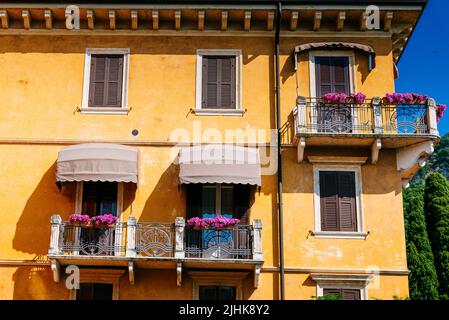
(335,45)
(97,162)
(219,164)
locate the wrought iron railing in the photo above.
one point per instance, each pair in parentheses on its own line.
(233,243)
(405,118)
(155,239)
(312,115)
(93,241)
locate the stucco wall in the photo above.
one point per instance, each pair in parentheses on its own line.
(41,88)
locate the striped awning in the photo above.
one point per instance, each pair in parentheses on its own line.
(219,164)
(97,162)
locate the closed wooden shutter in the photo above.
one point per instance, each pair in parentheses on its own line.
(351,294)
(219,81)
(332,75)
(338,201)
(329,201)
(346,197)
(345,294)
(106,81)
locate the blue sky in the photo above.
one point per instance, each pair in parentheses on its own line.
(424,65)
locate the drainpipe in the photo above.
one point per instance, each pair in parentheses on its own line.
(279,150)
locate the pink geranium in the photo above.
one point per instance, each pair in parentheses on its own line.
(218,222)
(440,109)
(79,218)
(104,220)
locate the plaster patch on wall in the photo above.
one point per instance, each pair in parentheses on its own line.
(329,252)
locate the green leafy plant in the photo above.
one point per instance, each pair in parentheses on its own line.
(331,296)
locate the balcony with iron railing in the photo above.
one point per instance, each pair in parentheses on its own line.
(155,245)
(359,124)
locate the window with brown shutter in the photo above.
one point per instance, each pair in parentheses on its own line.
(338,201)
(218,82)
(106,81)
(345,294)
(332,75)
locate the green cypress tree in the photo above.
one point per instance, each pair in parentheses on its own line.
(423,279)
(436,199)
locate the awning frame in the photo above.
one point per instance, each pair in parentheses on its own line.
(335,46)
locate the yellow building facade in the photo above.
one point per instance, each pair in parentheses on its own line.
(70,146)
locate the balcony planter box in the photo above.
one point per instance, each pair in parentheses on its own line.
(104,221)
(223,223)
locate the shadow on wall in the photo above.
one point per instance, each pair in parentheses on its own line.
(36,283)
(32,233)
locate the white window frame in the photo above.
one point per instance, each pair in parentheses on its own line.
(118,229)
(200,53)
(318,233)
(217,278)
(342,281)
(331,53)
(106,276)
(124,109)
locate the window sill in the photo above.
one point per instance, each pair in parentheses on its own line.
(219,112)
(339,235)
(105,110)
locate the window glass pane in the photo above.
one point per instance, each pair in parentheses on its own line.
(99,198)
(94,291)
(208,201)
(227,201)
(217,293)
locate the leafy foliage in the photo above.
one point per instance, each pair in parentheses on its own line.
(330,296)
(423,279)
(436,199)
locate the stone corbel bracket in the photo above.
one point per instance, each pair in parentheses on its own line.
(131,274)
(257,269)
(179,274)
(56,269)
(412,157)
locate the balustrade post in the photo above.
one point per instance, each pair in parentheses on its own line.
(55,235)
(376,103)
(179,237)
(257,240)
(300,115)
(432,117)
(131,226)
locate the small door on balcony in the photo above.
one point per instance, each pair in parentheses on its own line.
(98,198)
(207,201)
(217,293)
(94,291)
(332,76)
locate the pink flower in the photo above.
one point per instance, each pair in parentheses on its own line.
(81,218)
(104,219)
(217,222)
(440,109)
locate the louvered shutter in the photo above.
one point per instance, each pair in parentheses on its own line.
(106,81)
(338,201)
(333,291)
(345,294)
(329,201)
(347,203)
(219,81)
(351,294)
(332,75)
